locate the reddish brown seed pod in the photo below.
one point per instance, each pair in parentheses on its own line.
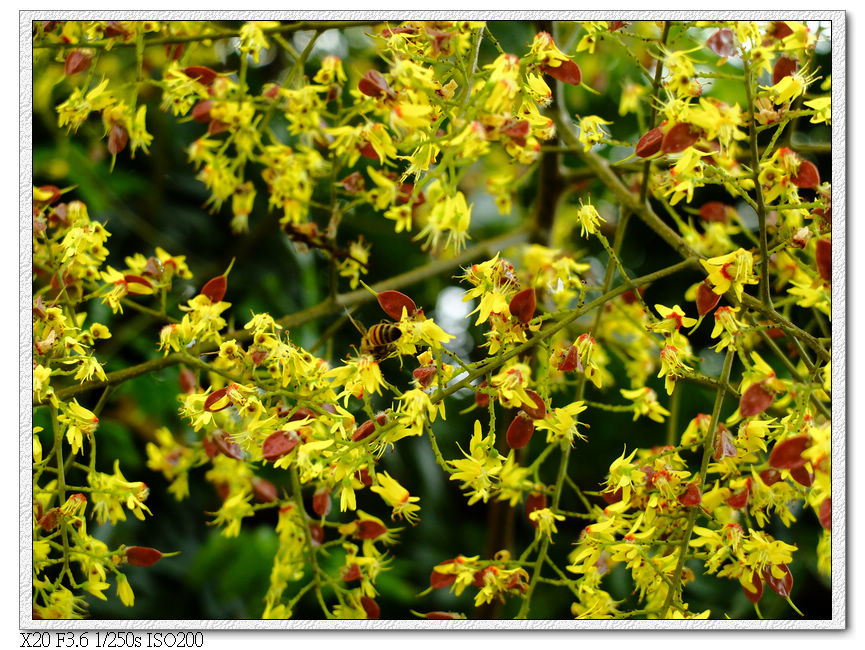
(321,502)
(568,72)
(823,257)
(227,446)
(825,513)
(707,299)
(370,607)
(715,211)
(373,84)
(442,616)
(721,43)
(214,401)
(723,443)
(522,305)
(353,183)
(678,138)
(754,596)
(352,573)
(738,500)
(142,555)
(49,520)
(807,177)
(393,302)
(215,288)
(539,410)
(650,143)
(368,529)
(802,476)
(781,586)
(263,490)
(788,453)
(691,495)
(571,360)
(301,413)
(316,534)
(279,444)
(784,67)
(201,111)
(755,400)
(117,139)
(520,431)
(535,501)
(77,61)
(424,375)
(439,580)
(482,399)
(200,73)
(770,476)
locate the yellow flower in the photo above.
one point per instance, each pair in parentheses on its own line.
(124,591)
(397,497)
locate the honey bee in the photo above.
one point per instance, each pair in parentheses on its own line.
(378,340)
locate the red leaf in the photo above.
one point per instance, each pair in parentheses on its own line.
(784,67)
(215,288)
(721,43)
(826,513)
(278,444)
(117,139)
(393,302)
(568,72)
(757,594)
(263,490)
(754,400)
(142,555)
(714,211)
(520,432)
(781,586)
(522,305)
(691,495)
(823,257)
(650,143)
(438,580)
(535,501)
(77,61)
(321,502)
(373,84)
(707,299)
(202,73)
(788,454)
(678,138)
(537,412)
(370,607)
(807,176)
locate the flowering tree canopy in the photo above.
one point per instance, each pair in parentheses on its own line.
(450,319)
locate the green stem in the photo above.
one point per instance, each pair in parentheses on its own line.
(708,446)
